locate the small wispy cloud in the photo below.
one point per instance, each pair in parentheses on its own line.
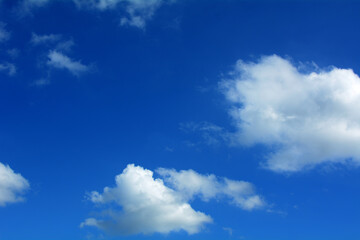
(9,68)
(55,41)
(37,39)
(59,60)
(25,7)
(138,11)
(58,49)
(36,3)
(279,212)
(13,53)
(228,230)
(41,82)
(210,134)
(4,34)
(65,45)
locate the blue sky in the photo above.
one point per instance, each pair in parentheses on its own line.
(217,119)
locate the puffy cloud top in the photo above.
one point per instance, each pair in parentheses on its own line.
(12,186)
(149,205)
(307,118)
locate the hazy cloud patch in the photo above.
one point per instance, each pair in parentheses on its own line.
(9,68)
(4,34)
(138,12)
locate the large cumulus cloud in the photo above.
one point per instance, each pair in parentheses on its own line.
(306,118)
(148,206)
(140,203)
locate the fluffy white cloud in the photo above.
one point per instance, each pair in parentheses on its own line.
(9,68)
(12,186)
(148,206)
(4,34)
(59,60)
(306,118)
(151,205)
(191,184)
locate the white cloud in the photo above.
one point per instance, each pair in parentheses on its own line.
(138,11)
(306,118)
(4,34)
(12,186)
(59,60)
(148,206)
(191,184)
(42,39)
(57,57)
(9,68)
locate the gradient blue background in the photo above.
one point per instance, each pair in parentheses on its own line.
(76,134)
